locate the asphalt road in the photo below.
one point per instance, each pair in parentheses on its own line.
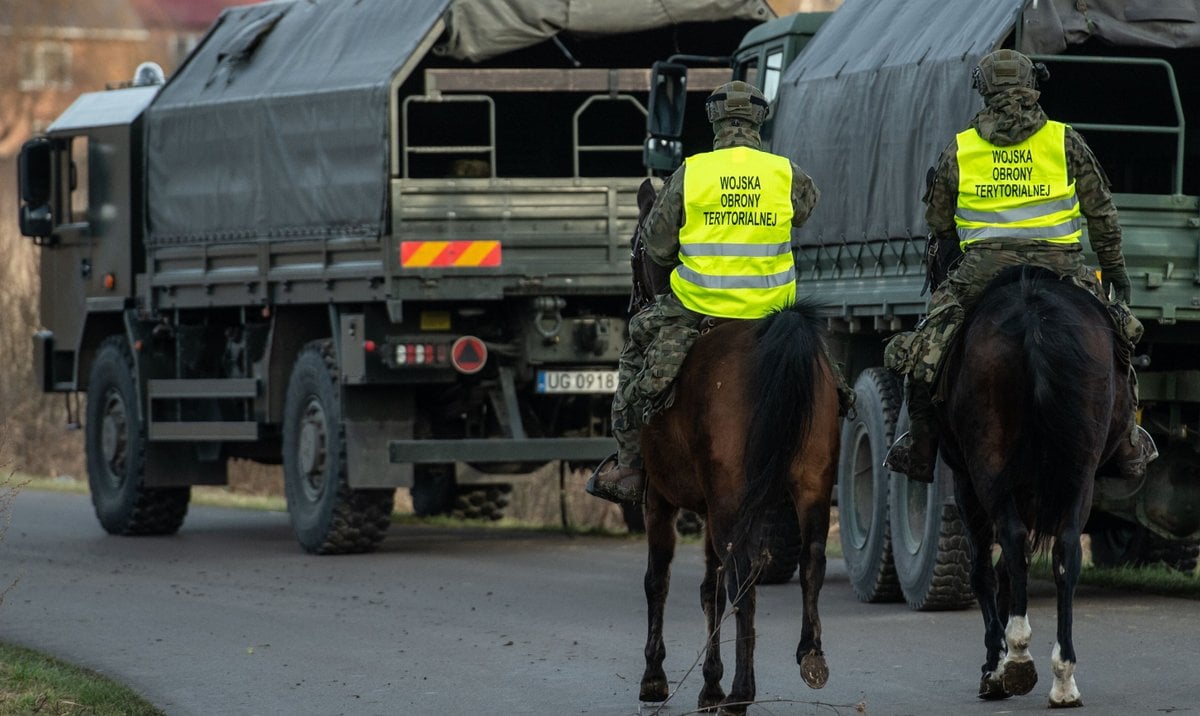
(230,617)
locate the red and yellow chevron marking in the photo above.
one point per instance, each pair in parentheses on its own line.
(454,254)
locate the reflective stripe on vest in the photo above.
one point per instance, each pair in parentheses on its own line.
(735,247)
(1016,192)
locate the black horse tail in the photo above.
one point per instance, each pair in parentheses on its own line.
(782,387)
(1063,373)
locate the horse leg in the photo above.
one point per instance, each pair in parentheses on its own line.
(980,536)
(660,536)
(712,600)
(739,581)
(1067,561)
(814,529)
(1016,671)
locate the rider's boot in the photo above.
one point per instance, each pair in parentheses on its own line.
(1135,452)
(911,457)
(914,452)
(615,482)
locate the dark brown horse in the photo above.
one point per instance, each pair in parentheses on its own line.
(754,423)
(1036,402)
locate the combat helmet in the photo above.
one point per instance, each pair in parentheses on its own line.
(737,100)
(1005,69)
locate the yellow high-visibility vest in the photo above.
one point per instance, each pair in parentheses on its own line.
(735,247)
(1016,192)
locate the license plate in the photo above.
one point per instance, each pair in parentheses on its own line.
(577,381)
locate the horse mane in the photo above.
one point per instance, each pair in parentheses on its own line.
(1046,319)
(782,381)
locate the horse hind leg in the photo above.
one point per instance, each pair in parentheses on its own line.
(660,537)
(1068,559)
(1016,671)
(814,526)
(712,600)
(983,583)
(739,581)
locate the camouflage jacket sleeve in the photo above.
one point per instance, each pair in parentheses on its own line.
(805,196)
(660,230)
(941,196)
(1095,201)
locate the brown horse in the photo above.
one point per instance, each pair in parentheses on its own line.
(754,424)
(1037,401)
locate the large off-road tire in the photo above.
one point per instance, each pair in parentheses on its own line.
(481,502)
(781,542)
(327,516)
(863,484)
(116,446)
(1119,544)
(929,541)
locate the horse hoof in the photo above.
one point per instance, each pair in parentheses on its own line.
(1019,677)
(654,690)
(710,700)
(991,688)
(814,671)
(1073,703)
(737,708)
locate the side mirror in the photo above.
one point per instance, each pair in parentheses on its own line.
(34,177)
(663,150)
(662,155)
(36,221)
(668,100)
(33,171)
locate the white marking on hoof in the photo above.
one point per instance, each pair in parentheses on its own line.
(1016,636)
(1016,670)
(1063,692)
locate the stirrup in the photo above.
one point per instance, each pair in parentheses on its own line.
(1149,449)
(897,458)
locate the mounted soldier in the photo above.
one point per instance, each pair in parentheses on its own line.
(1013,188)
(722,227)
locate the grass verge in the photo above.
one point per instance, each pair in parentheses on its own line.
(31,683)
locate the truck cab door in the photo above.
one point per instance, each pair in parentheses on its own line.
(53,174)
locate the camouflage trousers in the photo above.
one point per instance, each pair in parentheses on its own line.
(660,336)
(659,339)
(918,354)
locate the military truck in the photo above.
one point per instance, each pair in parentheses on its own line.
(382,243)
(866,108)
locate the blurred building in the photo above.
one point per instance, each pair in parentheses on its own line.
(58,49)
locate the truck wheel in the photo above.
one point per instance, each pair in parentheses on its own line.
(116,447)
(482,502)
(1121,544)
(862,488)
(432,490)
(929,542)
(327,516)
(781,541)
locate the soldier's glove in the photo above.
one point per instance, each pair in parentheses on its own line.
(1116,284)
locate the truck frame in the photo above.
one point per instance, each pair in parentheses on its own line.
(327,244)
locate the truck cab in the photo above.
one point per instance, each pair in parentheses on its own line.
(78,202)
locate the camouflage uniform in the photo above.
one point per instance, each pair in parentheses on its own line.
(661,334)
(1009,117)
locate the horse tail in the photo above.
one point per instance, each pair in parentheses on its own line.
(1063,374)
(782,388)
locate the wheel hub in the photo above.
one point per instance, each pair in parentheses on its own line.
(114,437)
(312,446)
